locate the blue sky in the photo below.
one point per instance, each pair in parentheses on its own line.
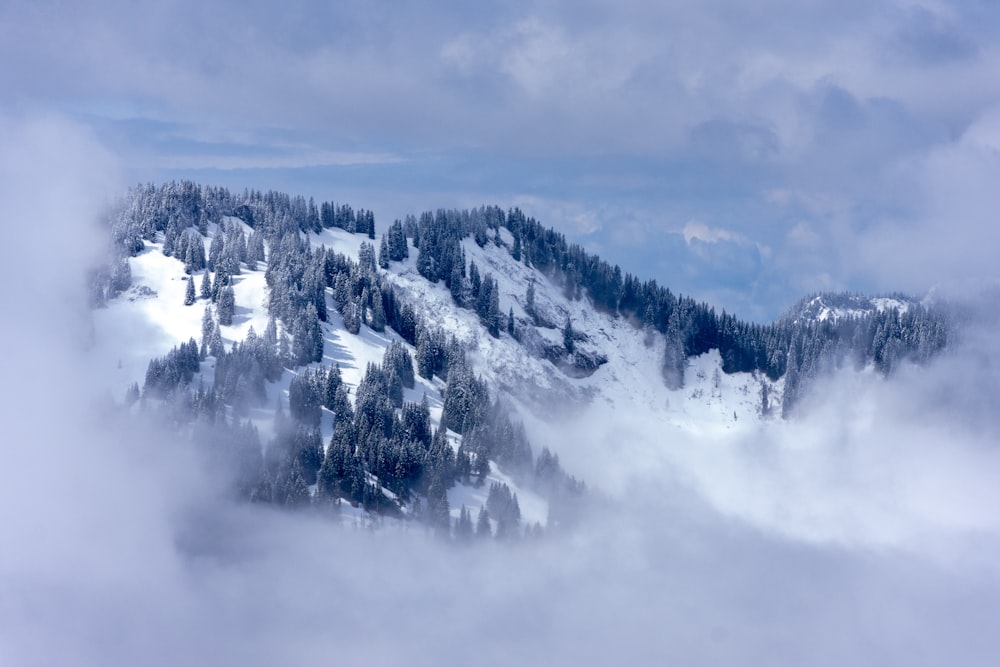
(745,155)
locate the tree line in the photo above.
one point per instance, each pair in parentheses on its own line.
(798,349)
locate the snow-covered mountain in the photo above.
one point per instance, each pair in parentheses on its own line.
(547,329)
(833,307)
(150,318)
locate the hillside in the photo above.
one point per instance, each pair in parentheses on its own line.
(615,363)
(150,318)
(426,379)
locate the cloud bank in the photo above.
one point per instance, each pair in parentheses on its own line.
(863,533)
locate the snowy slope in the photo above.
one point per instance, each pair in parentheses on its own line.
(150,318)
(631,377)
(835,307)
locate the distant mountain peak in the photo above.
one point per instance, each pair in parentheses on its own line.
(835,306)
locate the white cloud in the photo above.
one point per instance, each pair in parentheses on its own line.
(699,237)
(695,230)
(536,56)
(294,159)
(804,235)
(572,218)
(952,232)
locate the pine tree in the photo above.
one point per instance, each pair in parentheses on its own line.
(304,402)
(342,410)
(295,487)
(315,333)
(463,464)
(674,359)
(395,388)
(456,284)
(121,278)
(313,222)
(220,283)
(475,280)
(270,338)
(352,316)
(206,286)
(189,296)
(483,529)
(132,394)
(425,355)
(437,507)
(251,258)
(397,360)
(215,249)
(215,347)
(227,306)
(170,238)
(284,349)
(207,328)
(383,253)
(255,250)
(398,249)
(332,383)
(481,468)
(463,528)
(203,222)
(366,257)
(547,468)
(194,256)
(307,337)
(378,312)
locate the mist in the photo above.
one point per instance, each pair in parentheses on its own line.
(864,531)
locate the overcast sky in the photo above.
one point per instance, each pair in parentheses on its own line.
(744,153)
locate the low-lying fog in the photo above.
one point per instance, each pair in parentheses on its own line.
(862,532)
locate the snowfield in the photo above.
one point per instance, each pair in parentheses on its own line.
(151,318)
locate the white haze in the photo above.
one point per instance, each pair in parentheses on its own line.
(864,532)
(903,464)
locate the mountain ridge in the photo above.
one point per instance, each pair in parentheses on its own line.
(500,316)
